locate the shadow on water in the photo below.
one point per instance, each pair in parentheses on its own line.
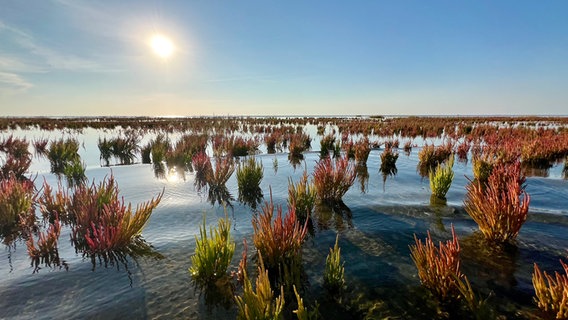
(339,215)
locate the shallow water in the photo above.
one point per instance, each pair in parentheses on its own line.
(374,234)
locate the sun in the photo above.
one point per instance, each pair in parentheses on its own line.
(162,46)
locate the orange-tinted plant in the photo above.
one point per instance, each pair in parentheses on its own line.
(45,251)
(438,267)
(362,150)
(333,178)
(279,240)
(203,170)
(101,220)
(552,292)
(501,205)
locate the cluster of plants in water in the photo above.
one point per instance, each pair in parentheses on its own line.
(103,226)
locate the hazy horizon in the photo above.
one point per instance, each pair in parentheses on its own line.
(293,58)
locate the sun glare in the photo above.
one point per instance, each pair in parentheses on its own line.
(162,46)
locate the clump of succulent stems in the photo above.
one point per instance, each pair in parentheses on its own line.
(279,240)
(362,150)
(203,170)
(213,253)
(17,198)
(159,147)
(430,156)
(53,205)
(123,149)
(302,196)
(17,158)
(388,162)
(273,141)
(62,153)
(100,220)
(260,302)
(249,174)
(45,251)
(327,144)
(298,143)
(334,273)
(333,178)
(552,291)
(438,267)
(302,312)
(482,166)
(441,179)
(181,154)
(500,206)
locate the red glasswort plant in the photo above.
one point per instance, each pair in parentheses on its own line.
(45,251)
(16,205)
(333,178)
(279,240)
(438,267)
(501,205)
(101,220)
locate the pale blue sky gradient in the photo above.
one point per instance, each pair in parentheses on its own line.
(296,57)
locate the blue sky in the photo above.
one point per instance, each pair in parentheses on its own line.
(296,57)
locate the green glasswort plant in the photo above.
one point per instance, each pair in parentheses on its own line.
(259,304)
(441,179)
(302,196)
(62,153)
(334,273)
(249,175)
(213,253)
(552,292)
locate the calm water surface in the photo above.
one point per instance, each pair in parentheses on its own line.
(374,234)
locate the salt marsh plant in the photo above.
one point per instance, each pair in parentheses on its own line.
(388,162)
(552,292)
(302,196)
(100,220)
(249,174)
(203,170)
(17,158)
(160,146)
(61,153)
(53,206)
(45,250)
(185,148)
(362,150)
(482,167)
(259,303)
(333,178)
(299,142)
(74,172)
(17,198)
(123,149)
(279,240)
(213,253)
(500,206)
(441,180)
(438,267)
(327,144)
(334,273)
(40,147)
